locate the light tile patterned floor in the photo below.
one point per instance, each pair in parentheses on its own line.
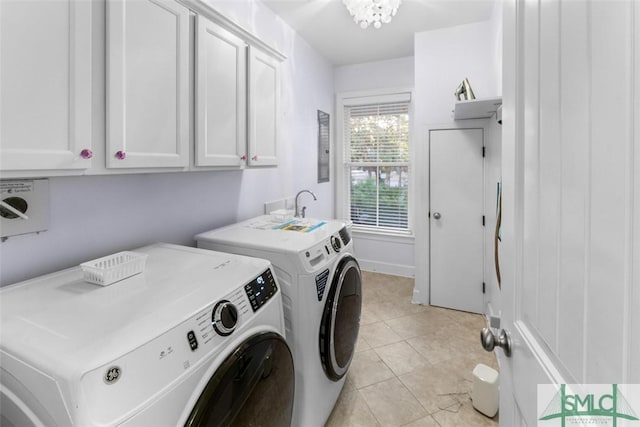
(413,364)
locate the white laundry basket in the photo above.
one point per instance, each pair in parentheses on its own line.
(113,268)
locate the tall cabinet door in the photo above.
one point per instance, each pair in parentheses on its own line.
(220,96)
(264,108)
(45,85)
(147,84)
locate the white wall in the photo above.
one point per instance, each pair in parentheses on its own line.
(496,43)
(384,254)
(96,215)
(391,73)
(443,58)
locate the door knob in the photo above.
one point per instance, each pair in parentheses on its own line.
(436,215)
(490,341)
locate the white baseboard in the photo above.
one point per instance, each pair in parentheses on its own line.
(386,268)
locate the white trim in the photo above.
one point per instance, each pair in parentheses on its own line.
(342,96)
(352,101)
(390,236)
(348,99)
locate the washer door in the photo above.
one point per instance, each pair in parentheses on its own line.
(252,387)
(341,319)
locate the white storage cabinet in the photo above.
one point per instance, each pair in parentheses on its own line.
(264,108)
(220,91)
(147,84)
(45,87)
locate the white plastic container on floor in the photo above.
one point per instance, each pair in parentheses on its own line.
(484,394)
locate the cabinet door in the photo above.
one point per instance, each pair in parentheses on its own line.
(264,108)
(147,84)
(220,96)
(45,85)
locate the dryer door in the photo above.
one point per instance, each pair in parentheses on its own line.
(253,386)
(341,319)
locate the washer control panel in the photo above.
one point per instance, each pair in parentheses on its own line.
(210,327)
(224,318)
(336,243)
(261,289)
(324,251)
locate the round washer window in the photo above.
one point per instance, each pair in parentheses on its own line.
(253,387)
(341,319)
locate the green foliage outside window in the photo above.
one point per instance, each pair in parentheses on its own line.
(378,160)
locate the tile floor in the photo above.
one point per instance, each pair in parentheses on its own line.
(413,364)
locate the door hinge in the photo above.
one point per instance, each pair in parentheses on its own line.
(483,220)
(484,288)
(484,150)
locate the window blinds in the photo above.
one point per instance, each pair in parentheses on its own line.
(377,162)
(378,133)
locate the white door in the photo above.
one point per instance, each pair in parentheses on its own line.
(264,108)
(221,83)
(571,199)
(45,85)
(456,223)
(147,84)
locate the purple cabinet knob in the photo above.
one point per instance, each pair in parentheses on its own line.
(244,157)
(121,155)
(254,158)
(86,153)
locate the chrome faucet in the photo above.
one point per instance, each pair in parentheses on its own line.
(298,213)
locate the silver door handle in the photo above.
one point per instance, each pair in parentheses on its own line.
(490,341)
(436,215)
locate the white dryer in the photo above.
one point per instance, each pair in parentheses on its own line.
(322,293)
(194,340)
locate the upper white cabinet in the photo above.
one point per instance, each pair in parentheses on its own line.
(147,84)
(178,93)
(264,108)
(220,91)
(45,86)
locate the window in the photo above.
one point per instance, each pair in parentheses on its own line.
(376,162)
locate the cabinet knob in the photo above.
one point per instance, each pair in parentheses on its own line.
(86,153)
(121,155)
(244,157)
(254,158)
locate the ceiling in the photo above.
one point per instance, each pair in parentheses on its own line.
(327,26)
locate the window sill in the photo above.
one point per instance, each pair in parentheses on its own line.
(363,233)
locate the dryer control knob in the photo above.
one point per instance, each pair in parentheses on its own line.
(336,243)
(224,318)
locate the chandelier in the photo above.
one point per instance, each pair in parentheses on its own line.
(368,12)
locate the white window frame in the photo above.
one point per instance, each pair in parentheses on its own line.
(342,177)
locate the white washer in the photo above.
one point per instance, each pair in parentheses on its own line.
(196,339)
(322,294)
